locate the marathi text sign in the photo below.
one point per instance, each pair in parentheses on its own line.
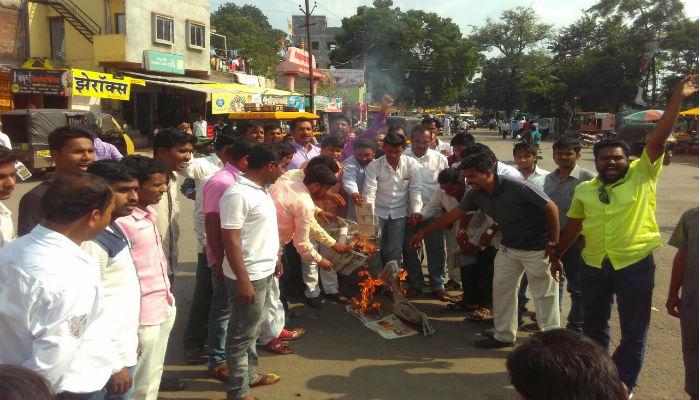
(39,81)
(99,84)
(226,103)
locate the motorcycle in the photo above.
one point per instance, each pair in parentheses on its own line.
(590,139)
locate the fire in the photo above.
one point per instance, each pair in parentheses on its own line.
(363,245)
(367,289)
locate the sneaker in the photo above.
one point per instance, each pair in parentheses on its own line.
(314,302)
(491,343)
(533,327)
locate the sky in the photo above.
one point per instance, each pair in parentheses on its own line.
(465,13)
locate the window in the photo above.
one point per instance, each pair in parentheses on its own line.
(163,29)
(331,46)
(120,23)
(314,46)
(57,34)
(196,32)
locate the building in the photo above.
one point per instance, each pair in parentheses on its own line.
(322,37)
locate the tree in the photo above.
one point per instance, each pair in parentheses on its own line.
(247,29)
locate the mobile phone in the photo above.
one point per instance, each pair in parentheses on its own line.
(22,171)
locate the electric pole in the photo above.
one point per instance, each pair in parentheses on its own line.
(307,25)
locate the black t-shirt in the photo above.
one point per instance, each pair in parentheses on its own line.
(30,212)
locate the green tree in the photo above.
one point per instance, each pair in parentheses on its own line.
(247,29)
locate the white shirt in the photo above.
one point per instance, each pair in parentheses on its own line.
(199,128)
(432,162)
(51,315)
(201,169)
(537,177)
(7,229)
(505,169)
(393,191)
(5,140)
(248,207)
(443,146)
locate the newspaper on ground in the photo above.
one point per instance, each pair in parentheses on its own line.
(386,325)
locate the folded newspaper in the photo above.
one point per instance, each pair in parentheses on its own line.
(345,231)
(388,326)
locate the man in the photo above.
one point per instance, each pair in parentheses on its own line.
(121,295)
(199,127)
(392,187)
(559,185)
(158,310)
(255,132)
(220,126)
(200,170)
(433,125)
(71,150)
(525,156)
(431,163)
(273,133)
(685,276)
(501,168)
(8,179)
(458,143)
(251,244)
(354,174)
(341,128)
(615,214)
(563,365)
(302,133)
(52,319)
(529,223)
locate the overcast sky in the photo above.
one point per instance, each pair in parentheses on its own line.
(465,13)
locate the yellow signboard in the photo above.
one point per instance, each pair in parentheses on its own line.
(225,103)
(100,84)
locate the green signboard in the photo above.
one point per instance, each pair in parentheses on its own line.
(163,62)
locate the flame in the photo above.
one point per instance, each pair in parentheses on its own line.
(367,289)
(363,244)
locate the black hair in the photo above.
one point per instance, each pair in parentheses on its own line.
(261,155)
(111,171)
(611,142)
(394,128)
(565,142)
(449,175)
(20,383)
(239,148)
(528,147)
(171,137)
(364,144)
(332,141)
(340,116)
(59,136)
(564,365)
(418,129)
(143,167)
(320,174)
(253,125)
(395,139)
(271,127)
(430,120)
(481,161)
(283,149)
(294,122)
(221,140)
(72,196)
(7,155)
(462,139)
(476,148)
(324,160)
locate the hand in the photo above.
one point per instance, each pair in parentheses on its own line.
(340,248)
(416,239)
(468,248)
(120,382)
(415,218)
(357,199)
(485,240)
(279,269)
(673,305)
(326,217)
(386,101)
(326,264)
(219,270)
(556,268)
(247,292)
(337,199)
(686,87)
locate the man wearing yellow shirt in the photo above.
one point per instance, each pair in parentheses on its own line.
(615,214)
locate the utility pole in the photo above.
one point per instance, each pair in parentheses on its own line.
(307,15)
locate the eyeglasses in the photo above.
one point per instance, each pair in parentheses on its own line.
(603,195)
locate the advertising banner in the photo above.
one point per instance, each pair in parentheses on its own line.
(100,84)
(164,62)
(226,103)
(345,78)
(40,81)
(297,102)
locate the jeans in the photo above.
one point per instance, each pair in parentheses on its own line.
(291,281)
(572,266)
(632,286)
(391,246)
(195,334)
(243,331)
(435,251)
(477,279)
(218,321)
(104,393)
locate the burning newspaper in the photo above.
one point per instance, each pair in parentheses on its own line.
(388,326)
(345,231)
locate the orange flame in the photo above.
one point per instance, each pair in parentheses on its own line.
(367,289)
(363,245)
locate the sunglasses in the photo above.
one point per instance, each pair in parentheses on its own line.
(603,195)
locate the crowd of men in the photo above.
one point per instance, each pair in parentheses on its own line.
(86,295)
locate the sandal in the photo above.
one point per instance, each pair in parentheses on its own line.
(481,314)
(278,347)
(461,307)
(219,372)
(291,334)
(264,380)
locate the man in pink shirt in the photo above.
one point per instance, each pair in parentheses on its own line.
(157,302)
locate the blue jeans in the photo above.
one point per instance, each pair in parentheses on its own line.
(391,246)
(572,266)
(218,320)
(435,251)
(196,331)
(632,287)
(104,393)
(242,335)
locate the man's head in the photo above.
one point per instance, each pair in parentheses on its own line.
(525,156)
(452,182)
(611,159)
(302,131)
(332,146)
(238,153)
(329,162)
(273,133)
(460,140)
(262,162)
(364,150)
(173,148)
(255,132)
(319,179)
(221,144)
(71,148)
(420,140)
(394,145)
(200,117)
(80,199)
(123,183)
(152,176)
(433,124)
(564,365)
(479,169)
(8,172)
(219,121)
(285,152)
(566,152)
(340,125)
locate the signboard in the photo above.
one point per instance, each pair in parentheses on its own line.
(250,80)
(40,81)
(297,102)
(335,105)
(226,103)
(326,104)
(344,78)
(99,84)
(300,57)
(163,62)
(5,93)
(349,95)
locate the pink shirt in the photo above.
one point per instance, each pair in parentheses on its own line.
(214,190)
(151,265)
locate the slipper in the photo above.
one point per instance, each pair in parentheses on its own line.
(264,380)
(291,334)
(461,307)
(278,347)
(219,372)
(442,295)
(457,299)
(480,315)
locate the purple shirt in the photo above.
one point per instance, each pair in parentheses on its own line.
(105,151)
(370,133)
(301,155)
(214,190)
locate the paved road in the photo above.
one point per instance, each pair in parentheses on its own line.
(340,359)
